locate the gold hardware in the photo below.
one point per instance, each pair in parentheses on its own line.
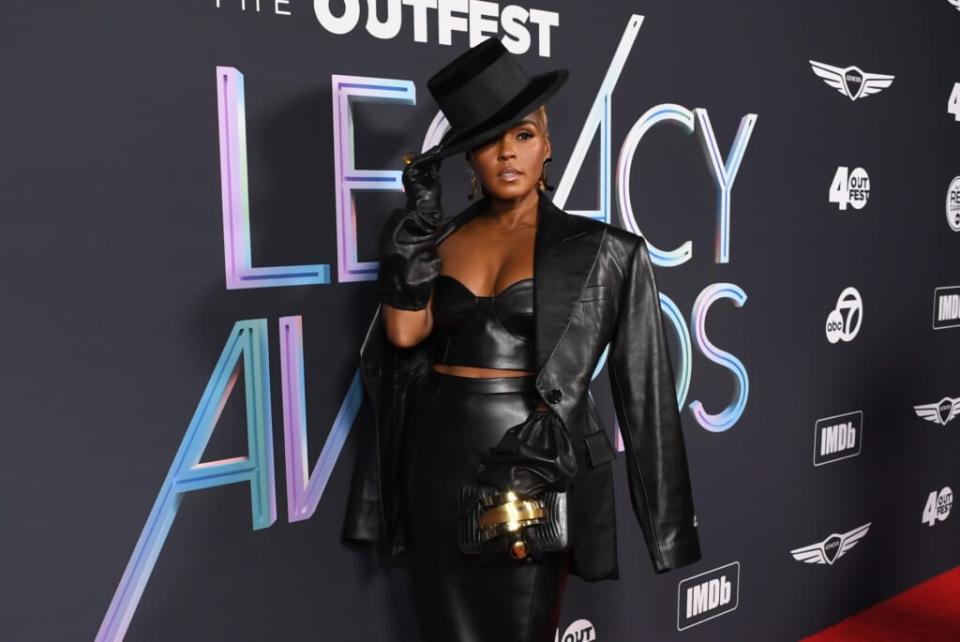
(519,549)
(511,513)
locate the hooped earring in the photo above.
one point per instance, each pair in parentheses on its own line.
(543,184)
(474,184)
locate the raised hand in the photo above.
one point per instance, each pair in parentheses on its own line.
(409,263)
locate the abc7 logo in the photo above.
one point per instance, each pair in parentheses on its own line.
(953,205)
(843,322)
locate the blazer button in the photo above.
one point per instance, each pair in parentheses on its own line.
(554,395)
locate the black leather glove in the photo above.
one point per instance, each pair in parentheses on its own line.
(409,262)
(533,456)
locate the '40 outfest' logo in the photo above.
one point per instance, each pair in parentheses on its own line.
(843,322)
(937,507)
(247,350)
(850,188)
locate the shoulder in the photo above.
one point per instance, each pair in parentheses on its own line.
(620,246)
(614,234)
(622,238)
(617,241)
(618,249)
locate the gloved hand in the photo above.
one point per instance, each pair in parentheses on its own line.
(531,457)
(409,263)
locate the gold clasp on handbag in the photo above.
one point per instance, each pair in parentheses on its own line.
(508,513)
(487,513)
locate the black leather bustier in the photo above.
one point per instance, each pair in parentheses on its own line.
(483,331)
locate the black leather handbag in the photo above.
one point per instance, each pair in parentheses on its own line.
(535,464)
(519,525)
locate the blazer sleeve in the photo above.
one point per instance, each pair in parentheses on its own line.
(644,397)
(363,521)
(392,378)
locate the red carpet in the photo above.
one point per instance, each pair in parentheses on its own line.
(928,612)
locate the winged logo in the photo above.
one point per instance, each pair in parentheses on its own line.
(831,549)
(852,82)
(941,411)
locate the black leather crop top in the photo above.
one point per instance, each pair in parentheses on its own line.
(483,331)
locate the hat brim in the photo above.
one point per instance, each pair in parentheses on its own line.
(540,88)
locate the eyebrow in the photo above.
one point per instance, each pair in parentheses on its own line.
(525,121)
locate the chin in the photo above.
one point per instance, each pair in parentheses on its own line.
(511,191)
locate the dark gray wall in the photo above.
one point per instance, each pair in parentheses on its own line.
(112,275)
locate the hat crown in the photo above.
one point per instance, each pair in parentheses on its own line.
(477,84)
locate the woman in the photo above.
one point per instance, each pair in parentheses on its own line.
(478,361)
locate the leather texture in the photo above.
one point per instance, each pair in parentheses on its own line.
(409,263)
(532,457)
(498,332)
(457,596)
(549,535)
(483,331)
(593,285)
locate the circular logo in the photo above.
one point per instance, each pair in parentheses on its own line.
(578,631)
(953,205)
(944,503)
(858,188)
(843,322)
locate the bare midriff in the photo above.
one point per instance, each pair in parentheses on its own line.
(484,373)
(474,371)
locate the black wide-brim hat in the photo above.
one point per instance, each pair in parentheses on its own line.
(484,92)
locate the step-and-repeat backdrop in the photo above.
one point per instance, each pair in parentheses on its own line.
(191,193)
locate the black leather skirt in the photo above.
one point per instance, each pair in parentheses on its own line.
(457,597)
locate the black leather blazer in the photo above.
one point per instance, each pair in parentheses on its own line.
(593,284)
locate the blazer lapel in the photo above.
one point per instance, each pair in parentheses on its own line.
(560,272)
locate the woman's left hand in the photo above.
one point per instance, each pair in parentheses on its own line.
(533,456)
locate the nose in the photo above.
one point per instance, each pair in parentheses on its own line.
(506,148)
